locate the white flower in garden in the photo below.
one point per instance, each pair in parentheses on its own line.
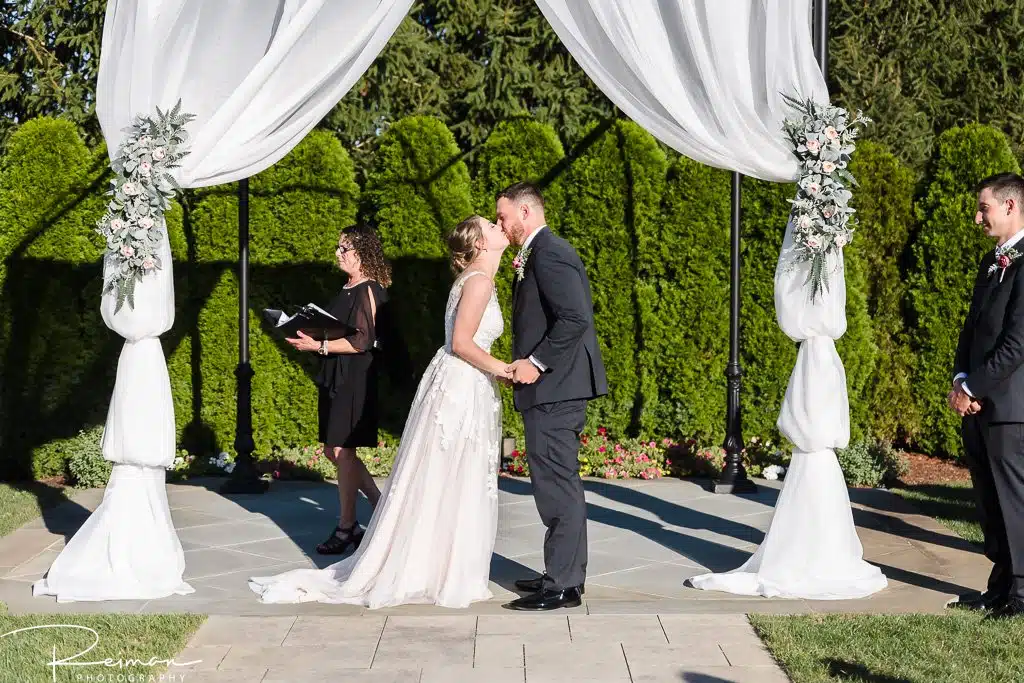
(127,251)
(842,240)
(813,145)
(773,472)
(148,263)
(158,154)
(805,222)
(828,167)
(145,168)
(229,468)
(831,133)
(146,223)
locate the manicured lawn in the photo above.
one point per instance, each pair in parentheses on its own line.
(23,502)
(24,656)
(955,647)
(950,503)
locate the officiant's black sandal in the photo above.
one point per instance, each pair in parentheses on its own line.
(340,539)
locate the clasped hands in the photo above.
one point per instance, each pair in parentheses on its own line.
(962,402)
(521,371)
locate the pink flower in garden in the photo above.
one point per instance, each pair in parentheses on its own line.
(602,449)
(609,474)
(618,461)
(602,431)
(277,474)
(651,445)
(515,453)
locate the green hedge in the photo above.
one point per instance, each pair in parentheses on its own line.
(417,191)
(297,208)
(517,150)
(684,304)
(946,252)
(885,211)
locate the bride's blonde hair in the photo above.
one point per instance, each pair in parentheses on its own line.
(462,243)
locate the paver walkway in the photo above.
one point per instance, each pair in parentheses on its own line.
(639,623)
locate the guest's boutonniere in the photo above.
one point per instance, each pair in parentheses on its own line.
(1003,261)
(519,263)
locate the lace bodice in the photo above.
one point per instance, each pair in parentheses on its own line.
(491,324)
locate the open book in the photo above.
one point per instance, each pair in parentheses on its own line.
(311,319)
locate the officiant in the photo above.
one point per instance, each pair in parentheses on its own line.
(347,379)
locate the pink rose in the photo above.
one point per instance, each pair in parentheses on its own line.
(842,241)
(827,212)
(1003,260)
(813,188)
(804,221)
(813,145)
(813,242)
(145,168)
(146,223)
(828,166)
(148,263)
(159,154)
(831,133)
(127,251)
(517,263)
(116,224)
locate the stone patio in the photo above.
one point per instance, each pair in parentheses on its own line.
(638,623)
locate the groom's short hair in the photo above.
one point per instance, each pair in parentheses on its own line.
(1004,186)
(523,193)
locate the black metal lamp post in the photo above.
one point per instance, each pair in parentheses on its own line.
(244,478)
(734,476)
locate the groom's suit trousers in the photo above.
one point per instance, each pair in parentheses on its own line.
(552,449)
(995,458)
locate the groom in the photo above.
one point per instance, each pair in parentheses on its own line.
(557,369)
(988,392)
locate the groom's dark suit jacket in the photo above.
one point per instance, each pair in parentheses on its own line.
(991,346)
(553,321)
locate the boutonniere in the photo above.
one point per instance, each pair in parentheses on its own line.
(519,263)
(1003,261)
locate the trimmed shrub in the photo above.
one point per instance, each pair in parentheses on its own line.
(417,191)
(297,208)
(601,210)
(871,463)
(517,150)
(683,304)
(885,210)
(946,252)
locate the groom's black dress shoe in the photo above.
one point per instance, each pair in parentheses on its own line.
(534,585)
(1014,607)
(542,601)
(978,602)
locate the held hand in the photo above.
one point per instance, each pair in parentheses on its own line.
(524,372)
(304,342)
(962,403)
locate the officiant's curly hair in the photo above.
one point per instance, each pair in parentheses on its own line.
(462,243)
(371,253)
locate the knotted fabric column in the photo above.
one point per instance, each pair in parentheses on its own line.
(258,75)
(708,78)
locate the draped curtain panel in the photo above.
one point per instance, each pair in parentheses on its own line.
(258,75)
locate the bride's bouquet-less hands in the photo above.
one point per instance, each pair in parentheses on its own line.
(823,139)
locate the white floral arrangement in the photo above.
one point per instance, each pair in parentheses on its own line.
(141,192)
(773,472)
(223,462)
(823,139)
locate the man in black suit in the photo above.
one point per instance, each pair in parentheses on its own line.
(988,392)
(557,368)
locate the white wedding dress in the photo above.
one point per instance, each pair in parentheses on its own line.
(432,534)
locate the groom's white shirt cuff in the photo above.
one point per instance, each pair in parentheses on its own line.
(963,375)
(540,366)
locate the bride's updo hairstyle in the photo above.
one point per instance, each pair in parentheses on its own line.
(462,243)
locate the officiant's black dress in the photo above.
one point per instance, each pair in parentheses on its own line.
(348,381)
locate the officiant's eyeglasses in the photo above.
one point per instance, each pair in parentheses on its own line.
(344,250)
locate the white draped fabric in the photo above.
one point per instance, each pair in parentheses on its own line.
(258,75)
(811,550)
(707,77)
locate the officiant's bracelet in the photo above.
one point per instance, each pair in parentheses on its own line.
(323,348)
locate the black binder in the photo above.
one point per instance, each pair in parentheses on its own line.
(311,319)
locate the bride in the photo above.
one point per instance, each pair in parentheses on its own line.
(432,533)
